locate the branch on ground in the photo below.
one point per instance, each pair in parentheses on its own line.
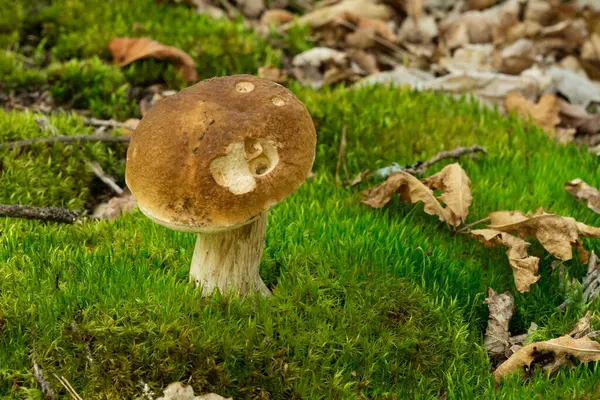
(50,214)
(67,139)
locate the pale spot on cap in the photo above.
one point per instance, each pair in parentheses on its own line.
(278,101)
(244,87)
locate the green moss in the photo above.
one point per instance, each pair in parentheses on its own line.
(11,22)
(55,175)
(365,301)
(82,29)
(16,75)
(92,84)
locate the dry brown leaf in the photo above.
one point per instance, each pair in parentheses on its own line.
(410,189)
(583,326)
(455,186)
(373,25)
(556,233)
(414,8)
(326,15)
(578,117)
(251,8)
(364,60)
(584,192)
(309,65)
(115,207)
(501,308)
(470,57)
(127,50)
(544,113)
(480,26)
(480,4)
(272,73)
(524,267)
(276,17)
(584,349)
(418,30)
(516,57)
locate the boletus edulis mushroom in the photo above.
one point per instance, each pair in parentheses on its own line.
(212,160)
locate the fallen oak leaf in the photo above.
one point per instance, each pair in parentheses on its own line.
(127,50)
(501,308)
(544,113)
(584,192)
(584,349)
(556,233)
(410,189)
(327,14)
(455,186)
(524,267)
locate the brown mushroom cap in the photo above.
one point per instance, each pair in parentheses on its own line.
(219,153)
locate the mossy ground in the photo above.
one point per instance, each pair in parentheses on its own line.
(367,303)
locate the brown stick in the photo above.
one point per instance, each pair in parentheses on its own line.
(67,139)
(457,152)
(54,214)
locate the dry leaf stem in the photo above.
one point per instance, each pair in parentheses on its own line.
(455,153)
(63,381)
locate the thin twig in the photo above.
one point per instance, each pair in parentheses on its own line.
(456,153)
(63,381)
(54,214)
(47,391)
(472,224)
(67,139)
(99,172)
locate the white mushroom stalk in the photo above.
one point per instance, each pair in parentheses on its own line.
(230,260)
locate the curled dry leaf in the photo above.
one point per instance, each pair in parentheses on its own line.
(584,349)
(544,113)
(127,50)
(478,57)
(516,57)
(452,182)
(556,233)
(584,192)
(308,66)
(364,60)
(272,73)
(327,14)
(455,186)
(115,207)
(478,26)
(376,26)
(276,17)
(418,30)
(578,117)
(524,267)
(501,308)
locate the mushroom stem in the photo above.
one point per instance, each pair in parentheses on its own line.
(230,260)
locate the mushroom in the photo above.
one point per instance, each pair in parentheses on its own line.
(213,159)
